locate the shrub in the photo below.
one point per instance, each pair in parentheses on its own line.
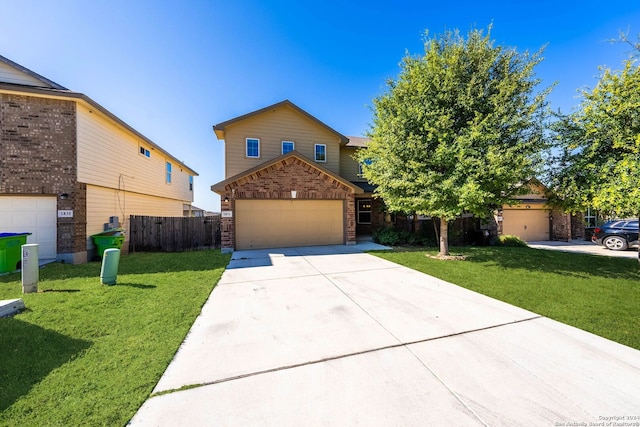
(512,241)
(391,237)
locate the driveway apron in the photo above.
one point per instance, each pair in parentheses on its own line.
(333,336)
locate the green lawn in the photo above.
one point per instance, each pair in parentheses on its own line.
(595,293)
(89,354)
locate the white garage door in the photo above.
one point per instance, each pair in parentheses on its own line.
(287,223)
(35,215)
(529,224)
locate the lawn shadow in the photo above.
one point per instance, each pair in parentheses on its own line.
(28,353)
(563,263)
(136,263)
(136,285)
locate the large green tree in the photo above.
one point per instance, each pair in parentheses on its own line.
(600,163)
(459,130)
(600,141)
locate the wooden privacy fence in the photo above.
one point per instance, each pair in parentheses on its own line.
(173,234)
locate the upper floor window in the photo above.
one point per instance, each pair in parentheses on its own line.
(144,152)
(168,175)
(287,146)
(321,153)
(190,182)
(253,147)
(361,166)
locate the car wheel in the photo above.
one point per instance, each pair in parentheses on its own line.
(615,243)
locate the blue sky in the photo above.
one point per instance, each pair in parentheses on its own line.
(172,69)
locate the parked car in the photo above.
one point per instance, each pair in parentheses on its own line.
(617,235)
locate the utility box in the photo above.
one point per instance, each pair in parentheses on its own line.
(10,252)
(30,268)
(109,270)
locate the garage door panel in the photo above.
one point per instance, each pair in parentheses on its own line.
(282,223)
(528,224)
(35,215)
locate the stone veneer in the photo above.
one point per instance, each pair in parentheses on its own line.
(38,157)
(276,182)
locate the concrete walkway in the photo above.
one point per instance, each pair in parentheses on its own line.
(332,336)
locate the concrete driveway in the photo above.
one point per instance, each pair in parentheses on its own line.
(583,247)
(333,336)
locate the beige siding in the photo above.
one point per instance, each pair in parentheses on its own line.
(271,128)
(9,74)
(103,203)
(109,156)
(348,165)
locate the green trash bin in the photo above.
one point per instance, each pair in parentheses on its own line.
(109,239)
(11,250)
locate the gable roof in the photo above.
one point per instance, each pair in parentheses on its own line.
(220,186)
(358,141)
(220,127)
(52,89)
(24,70)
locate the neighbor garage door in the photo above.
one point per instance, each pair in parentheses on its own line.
(36,215)
(283,223)
(529,224)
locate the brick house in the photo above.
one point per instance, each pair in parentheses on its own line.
(68,165)
(290,180)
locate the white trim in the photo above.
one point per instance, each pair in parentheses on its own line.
(315,152)
(246,148)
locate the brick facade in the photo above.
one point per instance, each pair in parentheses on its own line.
(38,157)
(566,227)
(276,181)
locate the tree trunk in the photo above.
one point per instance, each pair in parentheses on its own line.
(444,237)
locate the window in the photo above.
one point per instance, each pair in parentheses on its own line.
(360,165)
(287,146)
(168,173)
(591,218)
(321,153)
(253,147)
(364,211)
(190,182)
(144,152)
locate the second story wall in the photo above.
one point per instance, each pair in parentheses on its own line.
(349,167)
(271,128)
(112,157)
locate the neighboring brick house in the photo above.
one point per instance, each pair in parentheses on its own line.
(290,180)
(534,219)
(67,165)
